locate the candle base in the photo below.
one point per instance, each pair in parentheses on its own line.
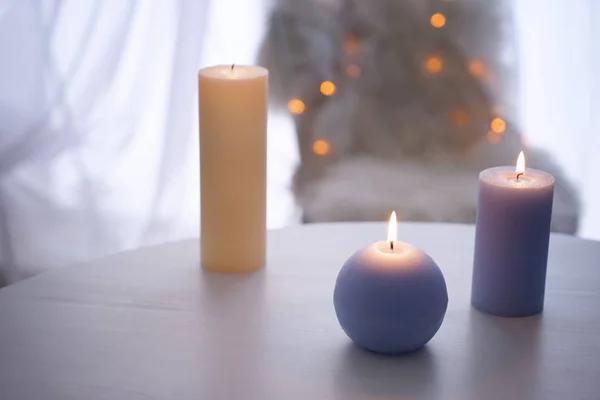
(238,258)
(506,312)
(239,262)
(244,270)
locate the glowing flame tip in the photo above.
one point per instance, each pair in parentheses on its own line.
(521,163)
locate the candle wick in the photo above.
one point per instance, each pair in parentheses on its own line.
(391,245)
(519,174)
(232,65)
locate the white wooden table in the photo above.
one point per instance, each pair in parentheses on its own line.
(150,324)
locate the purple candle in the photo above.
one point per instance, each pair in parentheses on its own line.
(390,297)
(511,240)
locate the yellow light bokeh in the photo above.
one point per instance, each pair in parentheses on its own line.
(353,71)
(494,137)
(327,88)
(438,20)
(321,147)
(498,125)
(351,45)
(296,106)
(434,64)
(476,68)
(460,118)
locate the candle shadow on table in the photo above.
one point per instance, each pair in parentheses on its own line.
(221,289)
(232,307)
(408,376)
(505,356)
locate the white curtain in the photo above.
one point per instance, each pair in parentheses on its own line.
(558,58)
(97,151)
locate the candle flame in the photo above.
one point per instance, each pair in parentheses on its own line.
(392,230)
(521,163)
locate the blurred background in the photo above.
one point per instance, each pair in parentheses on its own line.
(98,113)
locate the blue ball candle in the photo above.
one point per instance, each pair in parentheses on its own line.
(390,297)
(511,240)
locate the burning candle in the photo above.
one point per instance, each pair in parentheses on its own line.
(511,240)
(233,126)
(390,297)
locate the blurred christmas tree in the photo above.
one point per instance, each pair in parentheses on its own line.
(402,89)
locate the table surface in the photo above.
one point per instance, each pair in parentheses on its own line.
(150,324)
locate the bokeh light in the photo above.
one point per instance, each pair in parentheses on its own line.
(434,64)
(353,71)
(327,88)
(296,106)
(494,137)
(321,147)
(351,45)
(438,20)
(460,118)
(476,68)
(498,125)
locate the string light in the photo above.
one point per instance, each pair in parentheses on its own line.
(493,137)
(434,64)
(351,45)
(321,147)
(327,88)
(353,71)
(296,106)
(438,20)
(460,118)
(498,125)
(476,68)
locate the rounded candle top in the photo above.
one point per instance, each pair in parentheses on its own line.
(390,254)
(518,178)
(507,177)
(233,72)
(403,258)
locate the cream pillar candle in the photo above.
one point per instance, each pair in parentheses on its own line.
(233,159)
